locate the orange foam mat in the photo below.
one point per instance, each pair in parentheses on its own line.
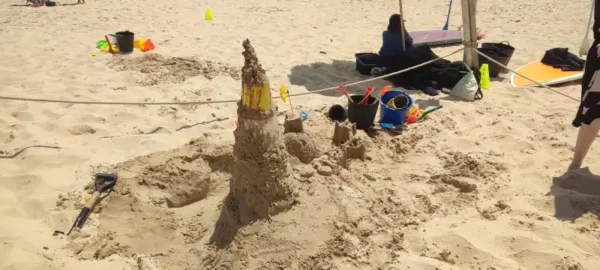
(543,73)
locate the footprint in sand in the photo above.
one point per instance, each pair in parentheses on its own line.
(24,116)
(51,114)
(81,130)
(88,118)
(6,137)
(34,208)
(17,189)
(50,126)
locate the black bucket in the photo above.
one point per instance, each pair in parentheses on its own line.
(365,62)
(337,113)
(363,115)
(496,55)
(503,47)
(125,41)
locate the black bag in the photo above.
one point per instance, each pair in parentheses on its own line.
(563,59)
(503,47)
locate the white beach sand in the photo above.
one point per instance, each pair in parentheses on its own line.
(468,189)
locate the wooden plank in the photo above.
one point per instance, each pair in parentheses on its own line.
(402,25)
(468,56)
(473,32)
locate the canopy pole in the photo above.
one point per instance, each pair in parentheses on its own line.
(469,7)
(402,25)
(473,24)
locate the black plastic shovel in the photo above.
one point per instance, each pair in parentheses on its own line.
(103,184)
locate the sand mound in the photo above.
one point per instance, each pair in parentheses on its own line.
(136,217)
(301,145)
(167,206)
(159,69)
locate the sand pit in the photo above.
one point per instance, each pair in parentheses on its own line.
(158,69)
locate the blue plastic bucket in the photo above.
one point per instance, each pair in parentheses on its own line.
(393,116)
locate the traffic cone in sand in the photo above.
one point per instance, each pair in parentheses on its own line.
(485,77)
(208,16)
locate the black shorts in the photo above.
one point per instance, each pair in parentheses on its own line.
(589,107)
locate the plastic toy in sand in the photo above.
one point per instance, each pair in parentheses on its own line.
(367,95)
(303,115)
(362,109)
(108,45)
(485,77)
(384,90)
(342,88)
(102,45)
(394,105)
(208,16)
(337,113)
(392,128)
(415,115)
(428,111)
(143,44)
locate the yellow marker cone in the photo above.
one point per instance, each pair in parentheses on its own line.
(208,16)
(485,77)
(283,93)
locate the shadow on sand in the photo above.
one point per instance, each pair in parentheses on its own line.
(227,225)
(321,75)
(575,194)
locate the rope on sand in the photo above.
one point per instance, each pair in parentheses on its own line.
(217,101)
(527,78)
(276,97)
(17,153)
(25,148)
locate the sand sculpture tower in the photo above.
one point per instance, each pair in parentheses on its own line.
(261,184)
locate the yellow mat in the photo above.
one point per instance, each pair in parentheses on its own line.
(544,74)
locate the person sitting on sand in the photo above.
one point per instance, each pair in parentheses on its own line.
(587,118)
(393,57)
(392,38)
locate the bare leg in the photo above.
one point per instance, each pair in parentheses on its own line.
(585,137)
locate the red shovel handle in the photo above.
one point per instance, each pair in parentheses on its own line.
(367,94)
